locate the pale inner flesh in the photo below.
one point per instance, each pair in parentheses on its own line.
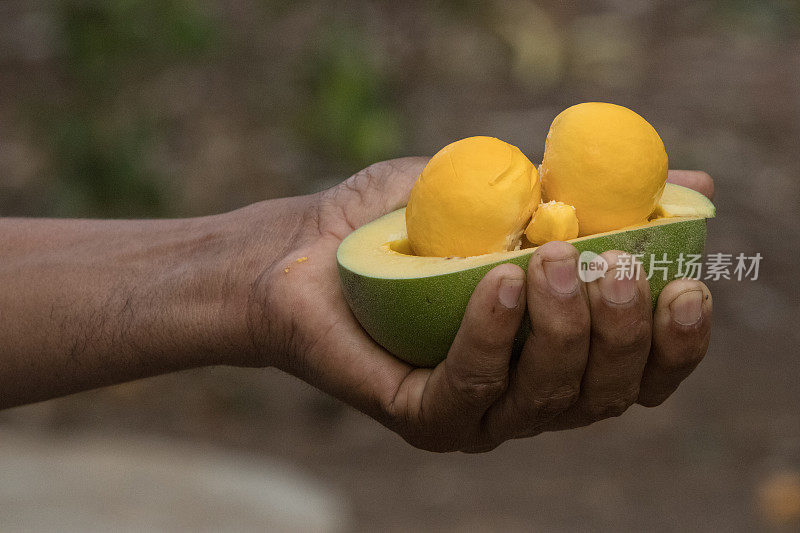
(380,249)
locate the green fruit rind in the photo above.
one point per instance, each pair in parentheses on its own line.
(416,318)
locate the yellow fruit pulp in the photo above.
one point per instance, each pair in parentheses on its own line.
(607,162)
(552,221)
(474,197)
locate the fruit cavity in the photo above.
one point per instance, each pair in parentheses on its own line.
(475,196)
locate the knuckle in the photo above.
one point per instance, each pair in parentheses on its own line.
(477,388)
(563,335)
(531,412)
(609,409)
(556,402)
(399,414)
(575,333)
(625,338)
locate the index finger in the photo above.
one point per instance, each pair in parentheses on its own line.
(694,179)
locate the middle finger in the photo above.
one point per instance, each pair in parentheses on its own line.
(621,312)
(547,377)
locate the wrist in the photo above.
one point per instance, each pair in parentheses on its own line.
(231,279)
(193,293)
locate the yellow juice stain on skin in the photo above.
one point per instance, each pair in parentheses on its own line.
(298,260)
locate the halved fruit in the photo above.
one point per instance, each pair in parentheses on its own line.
(413,306)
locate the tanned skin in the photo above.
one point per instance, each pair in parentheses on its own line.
(89,303)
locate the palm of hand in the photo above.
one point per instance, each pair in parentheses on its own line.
(325,344)
(476,398)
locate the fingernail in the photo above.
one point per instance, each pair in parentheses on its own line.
(561,274)
(618,289)
(509,292)
(687,307)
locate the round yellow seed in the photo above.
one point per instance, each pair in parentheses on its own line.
(607,162)
(474,196)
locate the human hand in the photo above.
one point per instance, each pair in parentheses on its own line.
(595,348)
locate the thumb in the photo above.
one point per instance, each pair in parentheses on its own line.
(378,189)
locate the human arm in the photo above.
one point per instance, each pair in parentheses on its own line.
(88,303)
(158,296)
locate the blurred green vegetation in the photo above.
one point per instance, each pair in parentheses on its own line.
(352,111)
(102,39)
(98,142)
(99,133)
(147,108)
(770,17)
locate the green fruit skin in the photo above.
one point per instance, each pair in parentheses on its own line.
(417,319)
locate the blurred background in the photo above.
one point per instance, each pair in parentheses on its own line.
(124,108)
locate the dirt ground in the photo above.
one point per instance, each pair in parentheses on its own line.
(719,82)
